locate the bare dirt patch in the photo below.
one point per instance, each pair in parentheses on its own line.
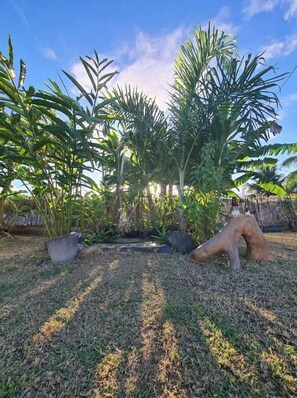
(146,325)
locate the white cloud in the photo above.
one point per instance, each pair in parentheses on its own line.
(20,12)
(289,100)
(279,49)
(222,22)
(274,49)
(288,105)
(151,59)
(49,53)
(292,11)
(254,7)
(292,98)
(291,44)
(151,65)
(148,65)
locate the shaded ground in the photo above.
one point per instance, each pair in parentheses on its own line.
(146,325)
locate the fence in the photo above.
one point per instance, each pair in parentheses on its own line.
(269,211)
(272,211)
(25,220)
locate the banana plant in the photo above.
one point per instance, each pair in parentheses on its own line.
(290,181)
(262,158)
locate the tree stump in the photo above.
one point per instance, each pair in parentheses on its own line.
(227,241)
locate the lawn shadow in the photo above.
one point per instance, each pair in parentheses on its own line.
(88,343)
(39,315)
(250,361)
(148,325)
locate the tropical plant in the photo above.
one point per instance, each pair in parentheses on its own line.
(262,169)
(289,207)
(161,235)
(202,203)
(53,136)
(267,181)
(7,175)
(290,181)
(188,119)
(95,213)
(221,98)
(141,130)
(166,209)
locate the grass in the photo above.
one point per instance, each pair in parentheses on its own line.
(144,325)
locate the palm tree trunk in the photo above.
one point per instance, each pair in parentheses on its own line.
(119,189)
(163,189)
(150,203)
(170,190)
(181,217)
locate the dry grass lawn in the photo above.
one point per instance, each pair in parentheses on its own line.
(147,325)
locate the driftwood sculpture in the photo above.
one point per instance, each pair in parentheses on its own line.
(227,241)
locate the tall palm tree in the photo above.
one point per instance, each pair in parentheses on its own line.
(221,98)
(188,109)
(143,126)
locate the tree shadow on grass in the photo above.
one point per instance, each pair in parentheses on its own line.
(251,363)
(141,326)
(169,354)
(80,346)
(39,314)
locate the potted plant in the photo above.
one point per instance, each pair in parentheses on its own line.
(54,139)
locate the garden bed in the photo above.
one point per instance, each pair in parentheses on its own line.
(132,324)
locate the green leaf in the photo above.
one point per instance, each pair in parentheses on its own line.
(270,187)
(9,90)
(14,108)
(10,52)
(15,118)
(53,105)
(90,71)
(80,87)
(41,143)
(291,181)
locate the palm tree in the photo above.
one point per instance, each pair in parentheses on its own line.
(221,98)
(188,109)
(142,127)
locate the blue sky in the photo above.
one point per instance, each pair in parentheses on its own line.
(143,38)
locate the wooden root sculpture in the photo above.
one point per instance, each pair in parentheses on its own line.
(227,241)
